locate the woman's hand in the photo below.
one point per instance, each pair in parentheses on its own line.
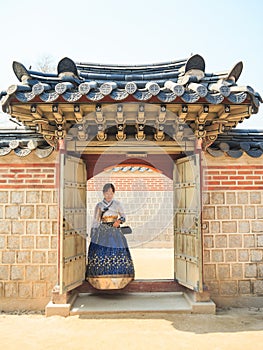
(117,223)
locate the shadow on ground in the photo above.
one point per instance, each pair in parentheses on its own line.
(227,320)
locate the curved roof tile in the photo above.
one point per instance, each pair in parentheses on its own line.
(238,142)
(183,80)
(22,143)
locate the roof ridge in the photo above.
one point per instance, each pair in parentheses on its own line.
(131,66)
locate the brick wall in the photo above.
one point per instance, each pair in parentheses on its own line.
(239,177)
(28,231)
(233,226)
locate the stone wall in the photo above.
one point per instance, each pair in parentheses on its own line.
(28,231)
(233,226)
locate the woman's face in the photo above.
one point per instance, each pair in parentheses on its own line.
(108,195)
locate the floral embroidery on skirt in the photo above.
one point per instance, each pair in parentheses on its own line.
(109,256)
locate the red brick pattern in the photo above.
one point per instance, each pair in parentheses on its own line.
(238,177)
(132,183)
(19,176)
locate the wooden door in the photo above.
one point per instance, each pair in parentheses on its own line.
(187,223)
(72,200)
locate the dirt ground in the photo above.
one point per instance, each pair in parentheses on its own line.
(231,329)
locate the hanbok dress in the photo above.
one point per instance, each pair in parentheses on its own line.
(109,264)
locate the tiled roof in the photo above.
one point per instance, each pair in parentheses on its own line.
(238,142)
(131,169)
(22,143)
(183,80)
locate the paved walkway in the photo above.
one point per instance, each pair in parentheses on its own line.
(132,302)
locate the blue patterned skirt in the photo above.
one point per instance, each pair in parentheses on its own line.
(110,265)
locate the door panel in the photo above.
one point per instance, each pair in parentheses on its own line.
(187,223)
(72,222)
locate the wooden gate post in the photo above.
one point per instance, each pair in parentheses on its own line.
(58,298)
(205,294)
(60,303)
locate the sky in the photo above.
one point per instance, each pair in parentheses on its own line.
(223,32)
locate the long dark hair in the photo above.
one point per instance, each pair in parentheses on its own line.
(107,186)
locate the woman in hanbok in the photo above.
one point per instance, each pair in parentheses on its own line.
(110,265)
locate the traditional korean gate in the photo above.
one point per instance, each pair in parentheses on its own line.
(72,222)
(187,223)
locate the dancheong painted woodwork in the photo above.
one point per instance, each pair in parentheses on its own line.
(232,144)
(108,103)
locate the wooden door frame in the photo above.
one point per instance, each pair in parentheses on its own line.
(149,285)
